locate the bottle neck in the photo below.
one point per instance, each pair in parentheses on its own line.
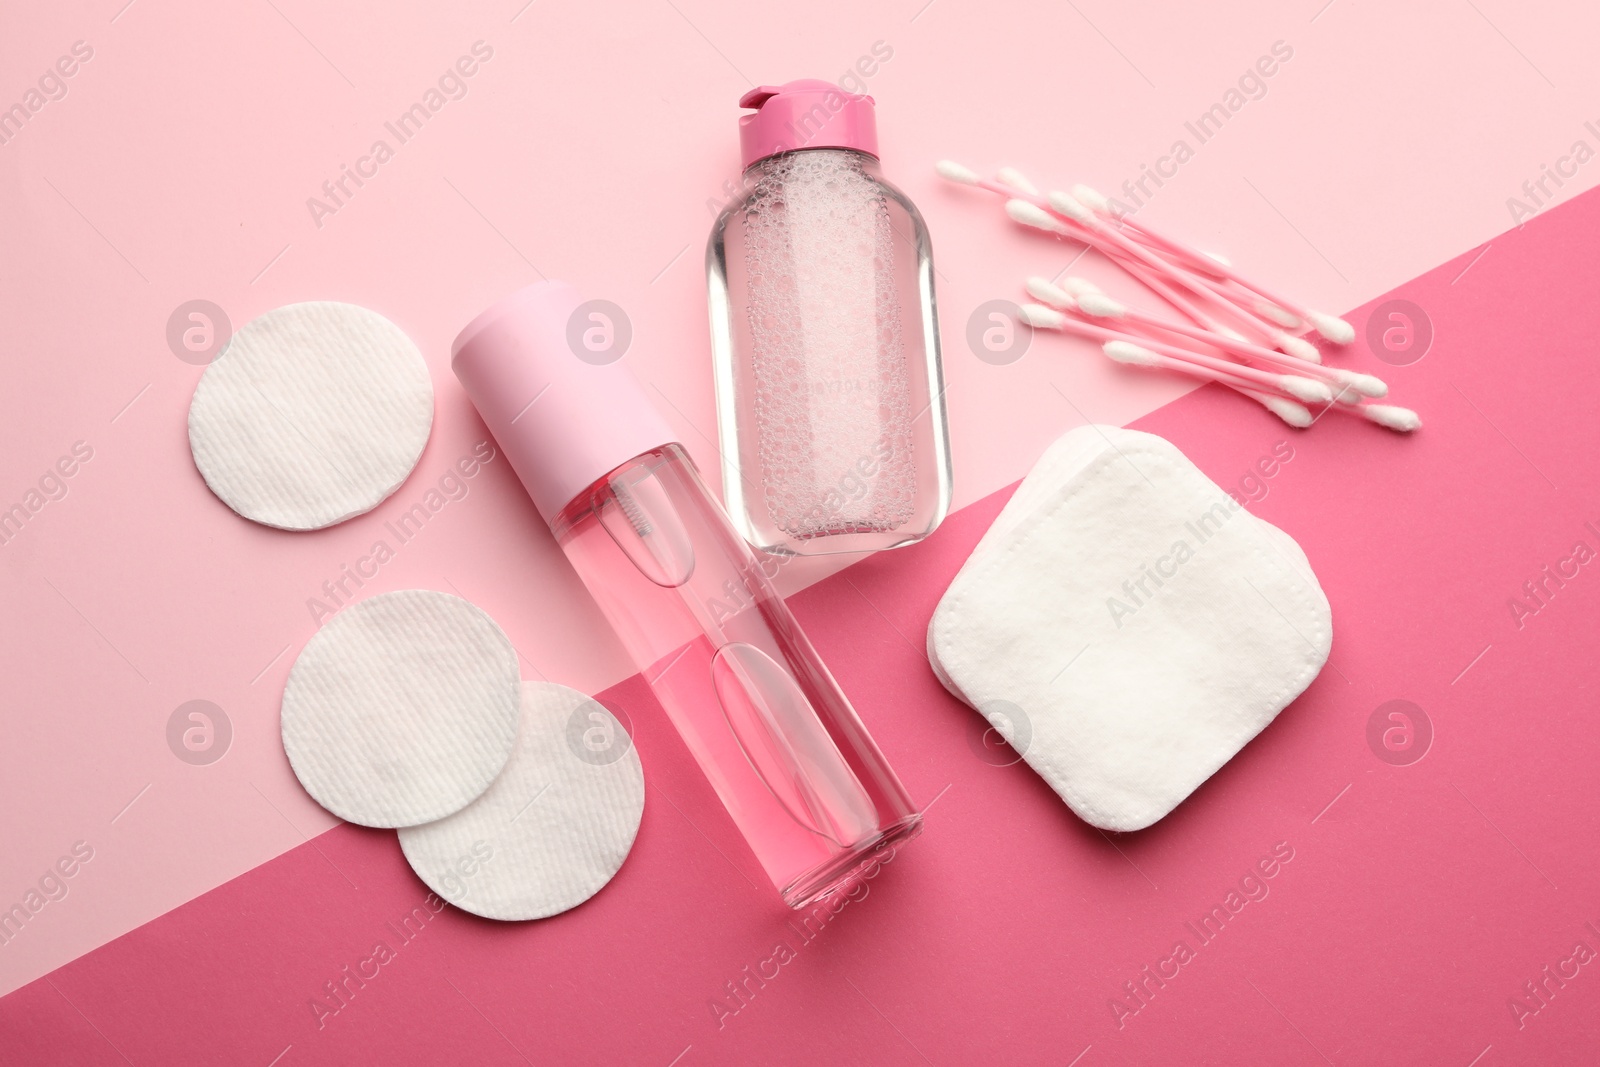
(596,496)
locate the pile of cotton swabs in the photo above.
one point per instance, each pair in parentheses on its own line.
(1240,334)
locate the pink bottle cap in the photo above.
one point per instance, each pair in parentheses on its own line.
(543,368)
(806,114)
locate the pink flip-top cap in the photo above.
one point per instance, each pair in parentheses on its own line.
(543,367)
(806,114)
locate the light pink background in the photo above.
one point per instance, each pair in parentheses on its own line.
(178,166)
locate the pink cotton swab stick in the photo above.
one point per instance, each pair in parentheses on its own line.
(1290,411)
(1061,215)
(1014,186)
(1068,206)
(1098,305)
(1265,333)
(1332,327)
(1264,318)
(1172,357)
(1031,214)
(1066,217)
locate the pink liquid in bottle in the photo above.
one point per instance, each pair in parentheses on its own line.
(781,745)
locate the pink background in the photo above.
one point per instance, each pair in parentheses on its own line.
(177,167)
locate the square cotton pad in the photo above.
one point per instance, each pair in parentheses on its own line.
(555,825)
(402,709)
(1128,626)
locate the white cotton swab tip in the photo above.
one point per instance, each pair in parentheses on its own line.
(951,171)
(1365,384)
(1017,180)
(1101,306)
(1298,347)
(1332,327)
(1091,196)
(1128,352)
(1403,420)
(1047,292)
(1220,258)
(1273,313)
(1067,204)
(1307,389)
(1079,286)
(1032,215)
(1294,414)
(1040,317)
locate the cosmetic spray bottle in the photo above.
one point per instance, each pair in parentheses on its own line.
(825,335)
(782,747)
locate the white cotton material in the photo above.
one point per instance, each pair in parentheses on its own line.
(312,414)
(1307,389)
(1017,180)
(402,709)
(1333,328)
(1045,291)
(1297,347)
(1041,317)
(1033,215)
(1290,412)
(952,171)
(1102,306)
(554,827)
(1093,197)
(1395,418)
(1128,352)
(1125,698)
(1067,204)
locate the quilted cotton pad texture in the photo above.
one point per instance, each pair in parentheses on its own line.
(1128,626)
(402,709)
(553,828)
(313,413)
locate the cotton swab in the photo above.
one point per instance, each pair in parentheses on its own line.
(1139,356)
(1206,290)
(1068,206)
(1290,411)
(1402,420)
(1031,214)
(1157,353)
(1088,299)
(1332,327)
(1014,178)
(1100,306)
(1012,182)
(1266,303)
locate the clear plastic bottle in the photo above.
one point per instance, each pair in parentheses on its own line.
(830,394)
(771,729)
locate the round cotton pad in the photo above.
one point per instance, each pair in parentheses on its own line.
(402,709)
(313,413)
(553,828)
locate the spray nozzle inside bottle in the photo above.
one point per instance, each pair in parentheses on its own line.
(638,514)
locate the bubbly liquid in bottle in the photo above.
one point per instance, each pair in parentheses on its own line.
(827,358)
(828,352)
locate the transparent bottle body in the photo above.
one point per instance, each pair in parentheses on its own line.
(774,734)
(826,350)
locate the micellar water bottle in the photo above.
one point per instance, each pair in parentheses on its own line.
(769,726)
(830,396)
